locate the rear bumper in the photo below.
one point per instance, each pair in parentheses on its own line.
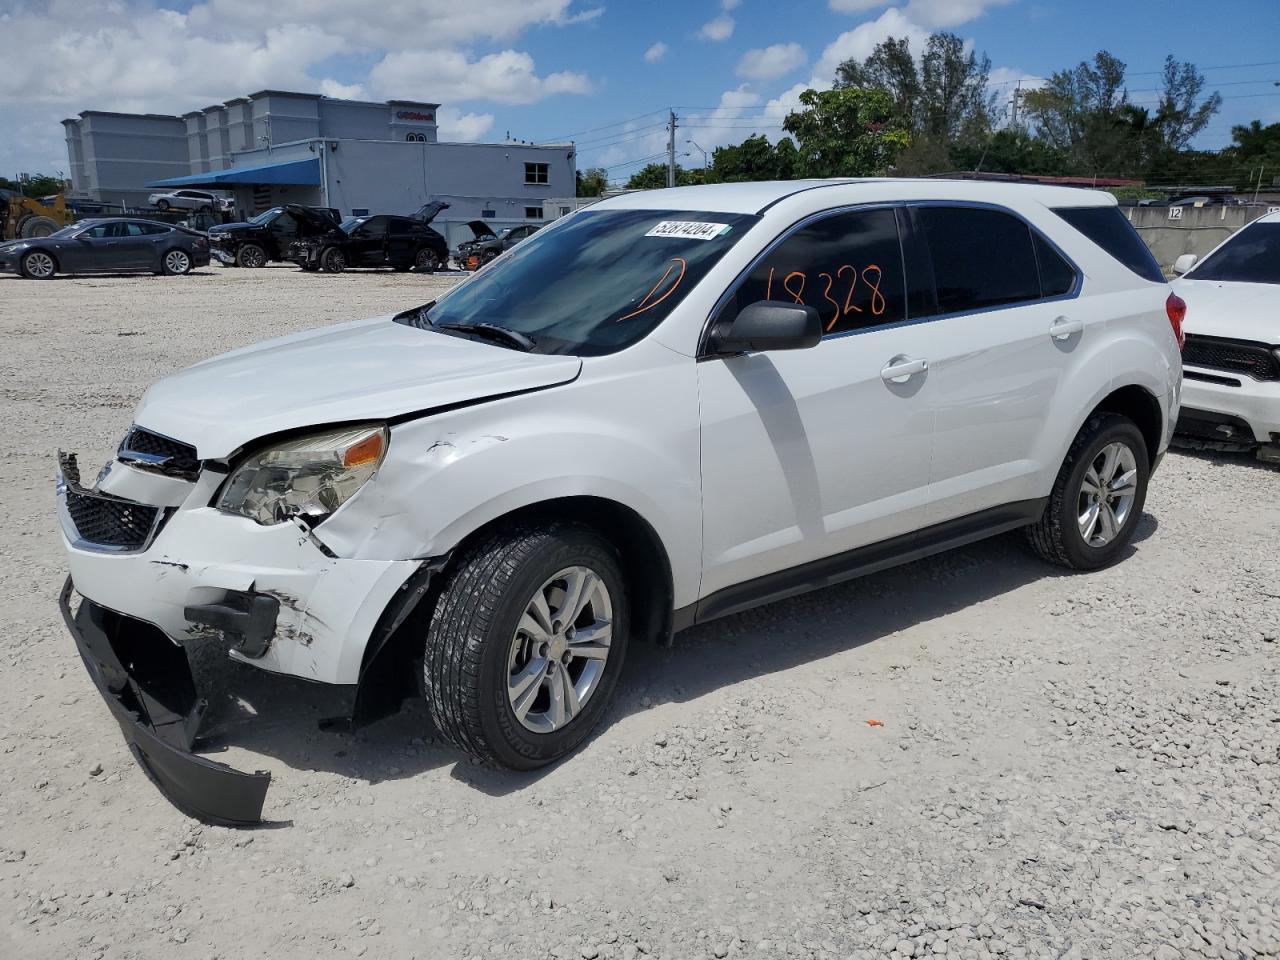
(147,684)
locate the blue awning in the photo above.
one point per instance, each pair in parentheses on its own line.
(302,173)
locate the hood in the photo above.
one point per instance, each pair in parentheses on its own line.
(1243,311)
(481,230)
(365,370)
(239,227)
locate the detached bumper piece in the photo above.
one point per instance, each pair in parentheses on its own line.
(147,682)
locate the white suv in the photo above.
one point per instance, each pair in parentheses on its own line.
(668,407)
(186,200)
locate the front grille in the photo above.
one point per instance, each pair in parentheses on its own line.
(1256,360)
(108,522)
(153,451)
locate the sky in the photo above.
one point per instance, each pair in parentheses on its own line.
(600,72)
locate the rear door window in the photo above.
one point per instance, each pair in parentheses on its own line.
(847,266)
(981,258)
(1111,230)
(401,228)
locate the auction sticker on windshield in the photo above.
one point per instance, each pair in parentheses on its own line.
(689,229)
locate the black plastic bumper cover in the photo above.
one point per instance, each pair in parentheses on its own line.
(146,680)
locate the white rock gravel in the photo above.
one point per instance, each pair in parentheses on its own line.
(1069,766)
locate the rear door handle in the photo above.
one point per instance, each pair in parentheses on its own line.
(902,368)
(1061,328)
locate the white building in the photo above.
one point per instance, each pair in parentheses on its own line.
(274,147)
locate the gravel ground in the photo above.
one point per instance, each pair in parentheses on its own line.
(1060,766)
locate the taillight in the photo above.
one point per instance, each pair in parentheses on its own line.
(1176,308)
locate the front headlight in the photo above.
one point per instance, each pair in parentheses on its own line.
(308,477)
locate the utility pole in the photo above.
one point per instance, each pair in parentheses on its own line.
(671,150)
(1017,95)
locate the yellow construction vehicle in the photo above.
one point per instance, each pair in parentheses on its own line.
(22,217)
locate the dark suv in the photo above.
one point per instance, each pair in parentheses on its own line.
(404,243)
(268,235)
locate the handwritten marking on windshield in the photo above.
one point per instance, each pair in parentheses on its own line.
(647,303)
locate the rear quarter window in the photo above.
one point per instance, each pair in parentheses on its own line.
(1111,230)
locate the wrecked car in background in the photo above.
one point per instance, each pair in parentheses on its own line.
(402,243)
(474,254)
(266,237)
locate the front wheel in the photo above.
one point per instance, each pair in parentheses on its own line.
(526,644)
(333,260)
(162,204)
(38,265)
(251,255)
(427,261)
(1098,496)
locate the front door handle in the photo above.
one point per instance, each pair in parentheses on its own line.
(902,368)
(1061,328)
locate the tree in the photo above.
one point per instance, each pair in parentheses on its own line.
(35,185)
(754,159)
(1012,150)
(592,182)
(1179,118)
(1085,113)
(849,132)
(942,102)
(654,175)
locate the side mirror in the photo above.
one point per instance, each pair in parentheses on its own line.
(769,325)
(1184,263)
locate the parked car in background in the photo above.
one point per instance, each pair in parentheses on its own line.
(117,245)
(672,406)
(403,243)
(266,237)
(188,200)
(1231,400)
(473,254)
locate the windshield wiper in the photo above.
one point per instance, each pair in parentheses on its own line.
(493,331)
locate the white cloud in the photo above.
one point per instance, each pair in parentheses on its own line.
(938,14)
(721,28)
(656,52)
(862,39)
(855,6)
(729,4)
(771,62)
(343,91)
(454,125)
(450,76)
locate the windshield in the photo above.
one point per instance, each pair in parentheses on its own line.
(266,216)
(70,231)
(597,282)
(1251,256)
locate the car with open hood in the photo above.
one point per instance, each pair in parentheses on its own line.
(1232,358)
(487,245)
(380,240)
(672,406)
(267,236)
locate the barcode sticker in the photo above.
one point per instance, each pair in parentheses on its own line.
(689,229)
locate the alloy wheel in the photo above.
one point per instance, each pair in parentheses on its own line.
(39,265)
(1107,494)
(559,650)
(427,261)
(175,261)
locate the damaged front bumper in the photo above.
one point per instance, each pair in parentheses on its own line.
(147,683)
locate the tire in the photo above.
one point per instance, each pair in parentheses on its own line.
(251,255)
(426,261)
(176,263)
(476,643)
(333,260)
(1057,536)
(34,227)
(162,204)
(38,265)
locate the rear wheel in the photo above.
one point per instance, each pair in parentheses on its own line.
(176,263)
(251,255)
(38,265)
(1097,497)
(427,261)
(526,644)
